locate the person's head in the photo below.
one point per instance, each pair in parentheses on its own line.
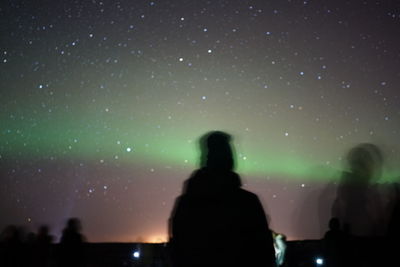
(74,224)
(43,230)
(365,160)
(334,224)
(9,233)
(216,151)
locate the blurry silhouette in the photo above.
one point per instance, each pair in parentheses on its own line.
(214,221)
(308,215)
(393,234)
(11,241)
(280,248)
(314,203)
(43,236)
(335,244)
(359,205)
(71,246)
(31,238)
(325,201)
(43,246)
(30,248)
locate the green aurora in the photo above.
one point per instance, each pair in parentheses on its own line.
(67,138)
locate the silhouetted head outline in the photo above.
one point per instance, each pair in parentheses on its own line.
(334,224)
(365,160)
(43,230)
(216,151)
(74,225)
(10,233)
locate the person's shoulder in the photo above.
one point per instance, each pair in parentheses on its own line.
(197,174)
(248,195)
(234,175)
(195,182)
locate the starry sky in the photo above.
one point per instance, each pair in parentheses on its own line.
(102,104)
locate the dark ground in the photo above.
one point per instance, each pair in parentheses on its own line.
(299,253)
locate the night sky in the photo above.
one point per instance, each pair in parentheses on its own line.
(102,104)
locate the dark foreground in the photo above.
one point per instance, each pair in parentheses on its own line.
(299,253)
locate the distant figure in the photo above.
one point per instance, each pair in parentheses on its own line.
(43,236)
(280,248)
(11,242)
(30,239)
(335,244)
(43,246)
(359,205)
(30,248)
(214,221)
(393,233)
(71,245)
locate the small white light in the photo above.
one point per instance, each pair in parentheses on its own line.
(136,254)
(319,261)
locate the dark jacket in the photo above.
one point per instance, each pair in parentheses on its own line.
(216,223)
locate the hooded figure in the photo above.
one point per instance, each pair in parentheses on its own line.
(215,222)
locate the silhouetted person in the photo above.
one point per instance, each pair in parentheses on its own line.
(30,248)
(335,244)
(11,241)
(359,207)
(214,221)
(393,234)
(43,246)
(358,203)
(71,244)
